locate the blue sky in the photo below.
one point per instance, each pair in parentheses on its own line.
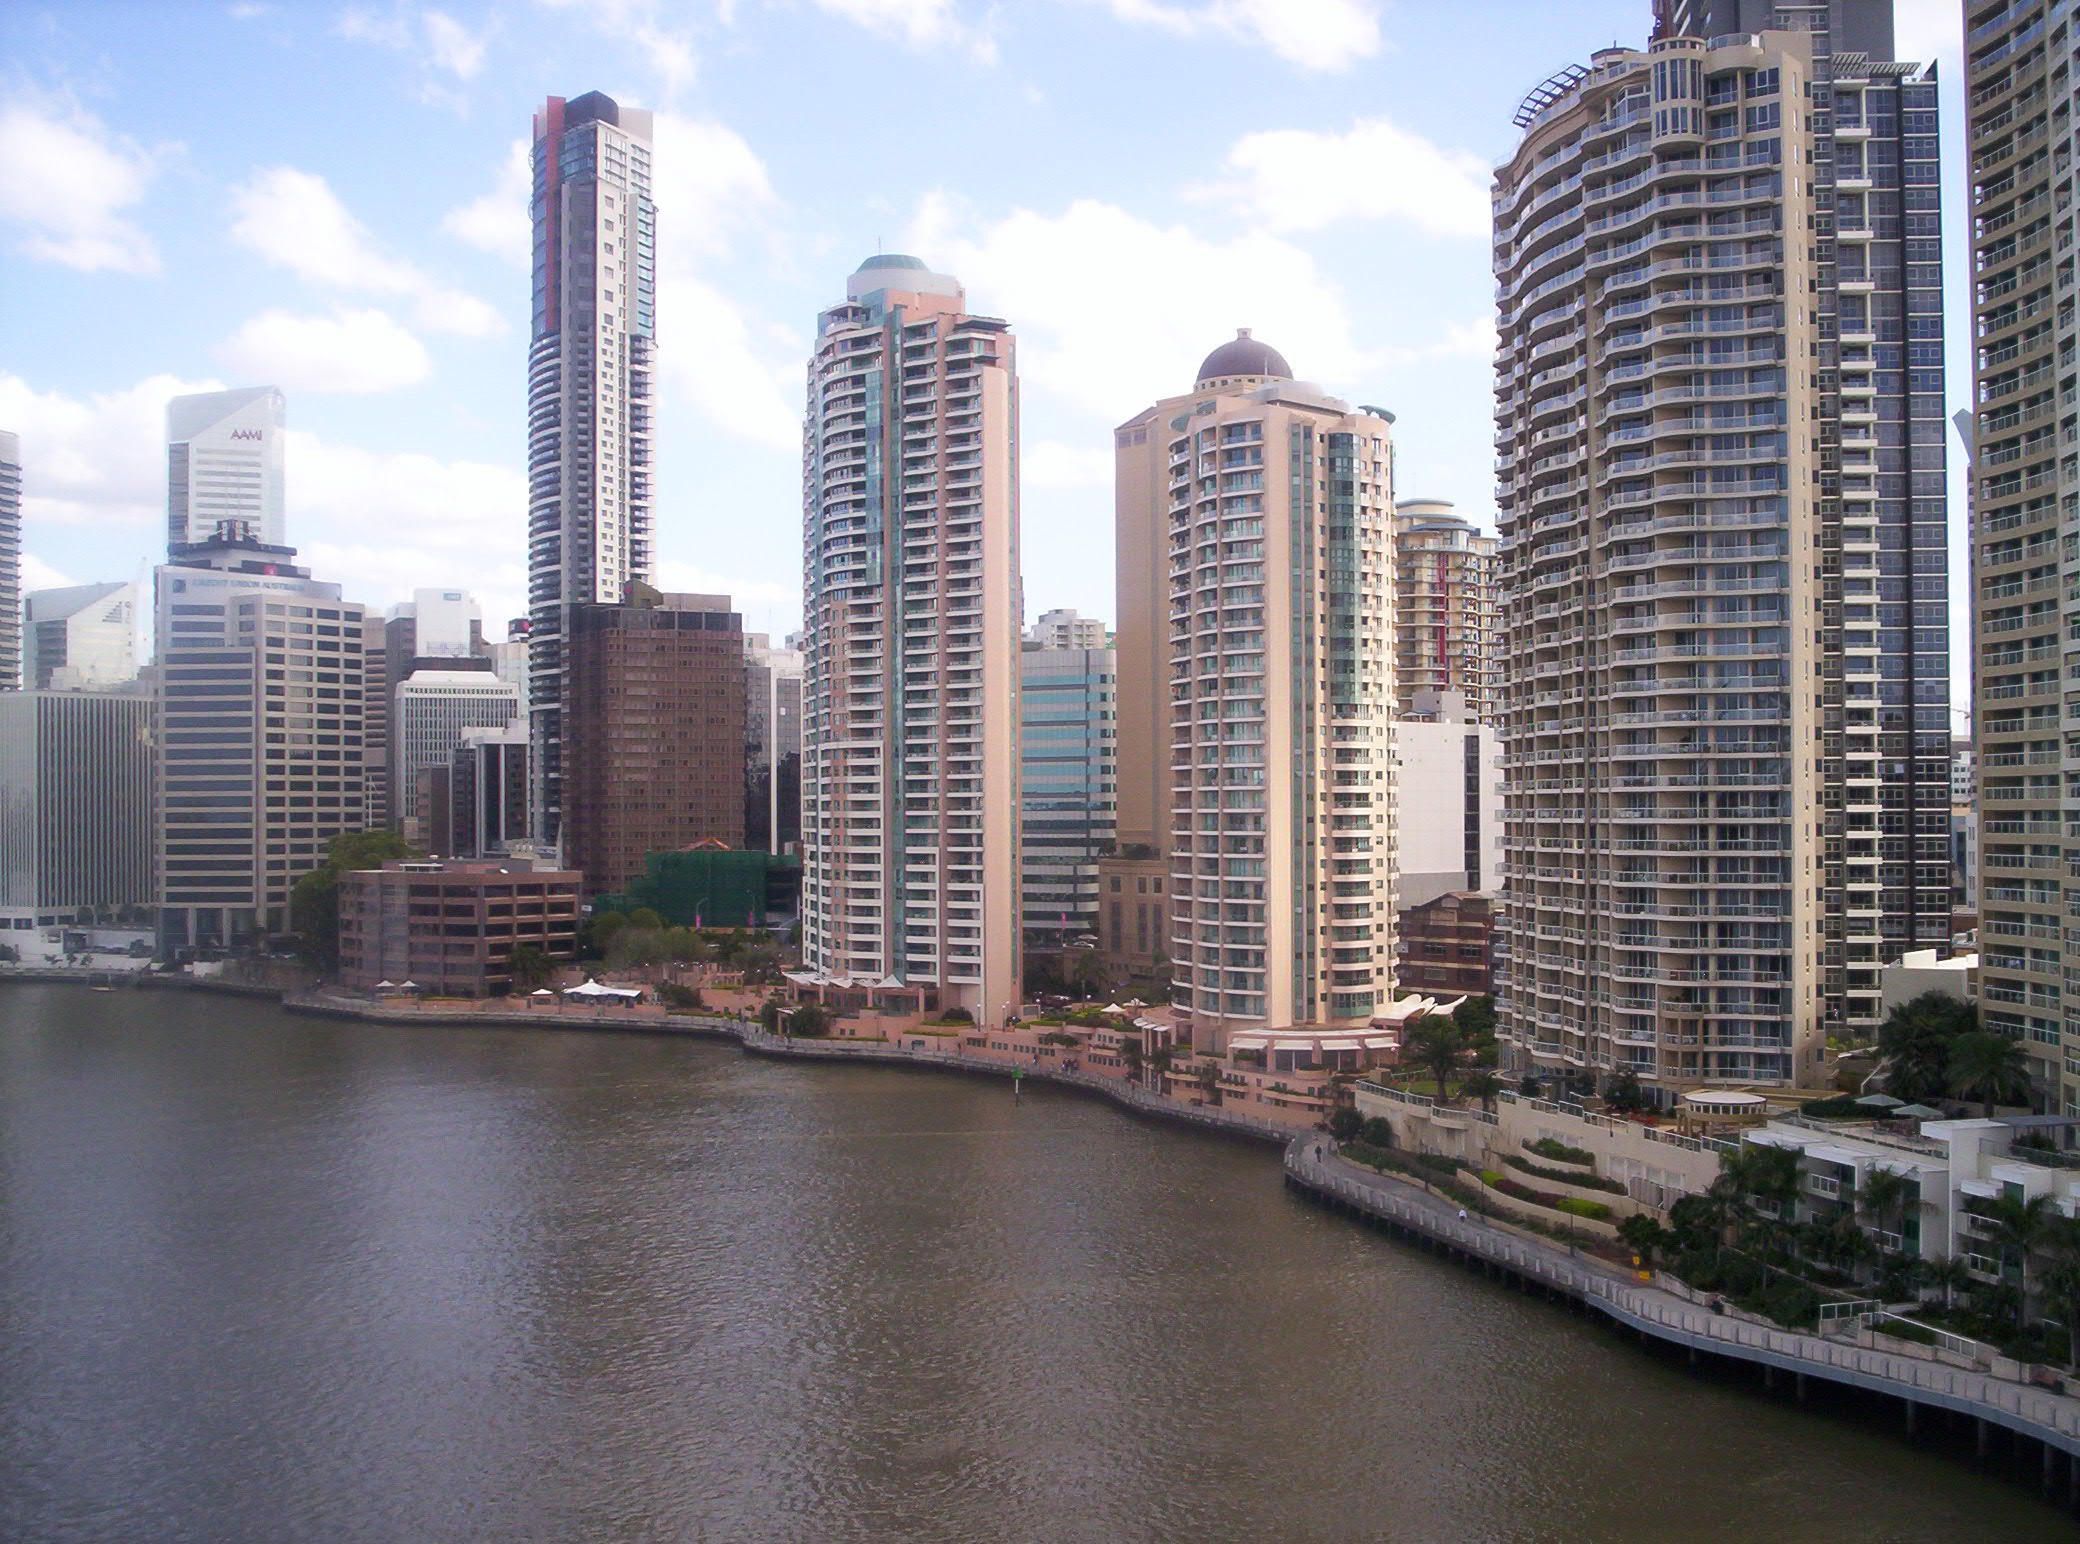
(331,198)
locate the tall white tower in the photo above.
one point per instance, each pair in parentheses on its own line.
(910,689)
(588,391)
(224,462)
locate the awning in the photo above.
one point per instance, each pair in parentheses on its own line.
(1248,1043)
(1343,1045)
(1382,1042)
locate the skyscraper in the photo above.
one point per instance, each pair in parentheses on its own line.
(224,462)
(1444,599)
(910,702)
(10,561)
(1256,668)
(80,638)
(2021,79)
(259,765)
(75,804)
(589,376)
(430,710)
(1719,423)
(1067,778)
(772,743)
(655,744)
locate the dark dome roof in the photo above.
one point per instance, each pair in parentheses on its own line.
(891,260)
(1244,355)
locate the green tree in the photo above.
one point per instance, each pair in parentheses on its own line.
(1434,1045)
(1476,1016)
(810,1020)
(1884,1199)
(1645,1237)
(645,919)
(1990,1067)
(1624,1093)
(314,902)
(600,932)
(1482,1084)
(1914,1044)
(1345,1124)
(529,967)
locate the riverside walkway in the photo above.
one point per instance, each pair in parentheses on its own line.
(2052,1419)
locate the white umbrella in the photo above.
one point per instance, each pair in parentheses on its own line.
(408,986)
(1880,1102)
(541,991)
(386,986)
(1112,1008)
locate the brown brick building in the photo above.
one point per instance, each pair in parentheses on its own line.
(451,927)
(1447,946)
(653,734)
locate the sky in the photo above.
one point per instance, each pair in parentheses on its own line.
(332,198)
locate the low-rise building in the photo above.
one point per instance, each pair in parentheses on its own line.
(1447,946)
(450,928)
(1926,970)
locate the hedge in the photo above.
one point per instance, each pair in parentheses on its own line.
(1567,1176)
(1594,1211)
(1549,1147)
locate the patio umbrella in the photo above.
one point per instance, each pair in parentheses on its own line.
(408,986)
(1917,1112)
(1880,1102)
(1133,1002)
(1112,1008)
(541,991)
(386,986)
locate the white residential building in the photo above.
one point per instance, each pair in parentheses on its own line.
(910,688)
(430,715)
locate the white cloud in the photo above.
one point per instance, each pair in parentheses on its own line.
(683,578)
(1113,311)
(382,524)
(920,24)
(1293,180)
(710,187)
(97,461)
(1312,34)
(751,393)
(1051,464)
(498,221)
(346,351)
(39,575)
(294,219)
(65,180)
(641,25)
(441,48)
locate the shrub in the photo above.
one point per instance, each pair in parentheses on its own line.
(1378,1132)
(1595,1211)
(956,1016)
(1493,1179)
(1345,1124)
(1560,1152)
(1567,1176)
(684,998)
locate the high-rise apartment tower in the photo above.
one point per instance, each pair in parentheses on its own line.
(589,383)
(1255,570)
(1444,600)
(2022,62)
(1719,423)
(910,700)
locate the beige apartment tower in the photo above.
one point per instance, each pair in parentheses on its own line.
(2022,59)
(1722,558)
(910,682)
(1444,608)
(1256,667)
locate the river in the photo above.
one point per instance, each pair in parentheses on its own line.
(295,1281)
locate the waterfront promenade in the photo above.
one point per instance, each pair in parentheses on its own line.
(2052,1419)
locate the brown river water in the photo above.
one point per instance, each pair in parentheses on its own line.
(294,1281)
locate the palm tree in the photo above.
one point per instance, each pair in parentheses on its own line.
(2018,1226)
(1434,1044)
(2060,1280)
(1990,1067)
(1914,1042)
(1949,1273)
